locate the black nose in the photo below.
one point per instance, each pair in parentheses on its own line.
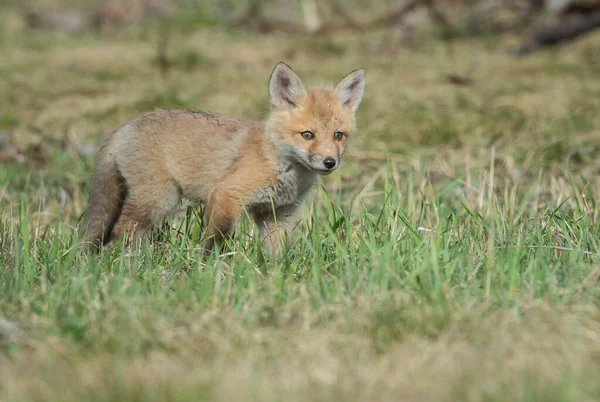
(329,163)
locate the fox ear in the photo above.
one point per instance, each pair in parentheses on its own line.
(285,86)
(351,89)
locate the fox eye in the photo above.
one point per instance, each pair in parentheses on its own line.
(307,135)
(338,135)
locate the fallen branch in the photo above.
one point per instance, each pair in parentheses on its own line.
(562,32)
(255,19)
(389,18)
(492,17)
(581,8)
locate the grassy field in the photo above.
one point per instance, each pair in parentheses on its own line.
(454,257)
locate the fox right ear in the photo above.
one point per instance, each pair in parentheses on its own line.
(351,89)
(285,86)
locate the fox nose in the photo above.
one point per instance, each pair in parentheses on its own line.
(329,163)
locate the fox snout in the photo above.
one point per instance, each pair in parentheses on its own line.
(324,165)
(329,162)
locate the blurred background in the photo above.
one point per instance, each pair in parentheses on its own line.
(446,80)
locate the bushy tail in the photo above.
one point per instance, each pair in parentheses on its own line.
(106,198)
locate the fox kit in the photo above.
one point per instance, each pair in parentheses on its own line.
(151,163)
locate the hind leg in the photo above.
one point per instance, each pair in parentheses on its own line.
(145,208)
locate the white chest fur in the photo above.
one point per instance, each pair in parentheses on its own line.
(289,190)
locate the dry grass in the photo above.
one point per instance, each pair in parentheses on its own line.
(534,352)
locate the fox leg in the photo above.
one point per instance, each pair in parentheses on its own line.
(143,208)
(222,210)
(274,229)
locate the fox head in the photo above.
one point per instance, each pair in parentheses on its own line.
(311,126)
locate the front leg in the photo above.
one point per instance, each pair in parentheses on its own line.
(276,229)
(222,210)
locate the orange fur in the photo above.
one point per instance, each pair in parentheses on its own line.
(154,161)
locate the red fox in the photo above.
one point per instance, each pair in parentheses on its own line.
(231,165)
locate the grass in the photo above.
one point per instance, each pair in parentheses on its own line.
(454,256)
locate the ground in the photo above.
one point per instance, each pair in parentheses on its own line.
(454,256)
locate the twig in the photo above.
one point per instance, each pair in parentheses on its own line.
(340,10)
(553,248)
(162,46)
(364,155)
(438,16)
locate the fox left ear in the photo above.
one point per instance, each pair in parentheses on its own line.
(285,87)
(351,89)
